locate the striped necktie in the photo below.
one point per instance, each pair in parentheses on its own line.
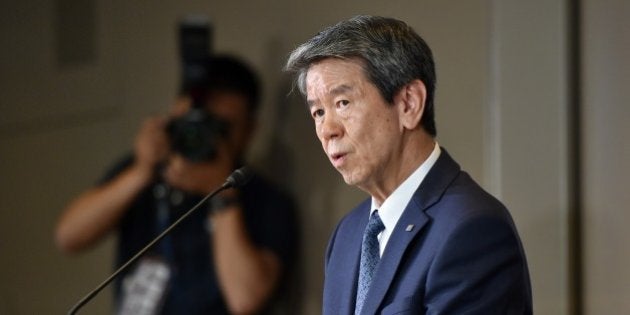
(370,257)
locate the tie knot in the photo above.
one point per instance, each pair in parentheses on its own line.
(375,225)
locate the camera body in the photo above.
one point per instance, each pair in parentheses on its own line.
(196,134)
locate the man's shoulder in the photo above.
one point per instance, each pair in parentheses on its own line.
(467,195)
(465,203)
(450,196)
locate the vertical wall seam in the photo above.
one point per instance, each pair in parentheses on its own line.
(574,57)
(492,127)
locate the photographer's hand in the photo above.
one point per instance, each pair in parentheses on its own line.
(151,146)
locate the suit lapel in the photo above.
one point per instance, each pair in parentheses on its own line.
(430,191)
(392,257)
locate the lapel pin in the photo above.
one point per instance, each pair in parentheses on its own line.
(409,228)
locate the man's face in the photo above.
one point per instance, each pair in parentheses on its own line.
(359,131)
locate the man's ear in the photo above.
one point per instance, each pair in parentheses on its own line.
(410,101)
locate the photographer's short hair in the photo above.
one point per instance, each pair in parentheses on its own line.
(228,73)
(392,52)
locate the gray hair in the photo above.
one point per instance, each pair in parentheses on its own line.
(392,52)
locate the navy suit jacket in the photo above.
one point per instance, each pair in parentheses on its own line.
(461,255)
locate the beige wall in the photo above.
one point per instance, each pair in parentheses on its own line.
(500,65)
(606,156)
(527,131)
(57,128)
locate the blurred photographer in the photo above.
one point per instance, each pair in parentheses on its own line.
(227,258)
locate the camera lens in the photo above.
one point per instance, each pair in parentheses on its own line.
(196,135)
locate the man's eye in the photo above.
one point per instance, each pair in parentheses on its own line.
(343,103)
(318,113)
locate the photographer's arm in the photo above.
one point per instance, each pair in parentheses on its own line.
(247,274)
(97,211)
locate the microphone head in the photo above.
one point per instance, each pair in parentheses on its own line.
(239,177)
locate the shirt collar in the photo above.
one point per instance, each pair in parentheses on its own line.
(392,208)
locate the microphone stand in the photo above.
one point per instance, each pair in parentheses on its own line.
(237,178)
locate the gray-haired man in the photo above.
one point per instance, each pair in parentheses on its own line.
(429,240)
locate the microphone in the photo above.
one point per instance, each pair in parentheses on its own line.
(238,178)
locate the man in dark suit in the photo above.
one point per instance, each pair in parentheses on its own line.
(430,240)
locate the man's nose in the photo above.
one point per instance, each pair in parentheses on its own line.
(331,127)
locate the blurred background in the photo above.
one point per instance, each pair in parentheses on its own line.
(531,100)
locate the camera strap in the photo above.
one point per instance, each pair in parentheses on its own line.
(164,198)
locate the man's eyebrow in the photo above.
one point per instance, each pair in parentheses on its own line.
(341,89)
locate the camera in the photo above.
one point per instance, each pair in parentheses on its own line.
(196,135)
